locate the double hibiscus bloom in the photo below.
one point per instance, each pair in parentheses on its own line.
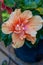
(22,25)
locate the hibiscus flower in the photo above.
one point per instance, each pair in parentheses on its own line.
(22,25)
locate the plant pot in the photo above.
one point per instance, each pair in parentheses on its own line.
(30,55)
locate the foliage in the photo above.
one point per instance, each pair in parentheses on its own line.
(36,6)
(9,1)
(5,16)
(7,39)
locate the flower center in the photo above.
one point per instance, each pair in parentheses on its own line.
(19,28)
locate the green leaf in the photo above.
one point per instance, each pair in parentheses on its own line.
(28,43)
(40,9)
(40,34)
(35,12)
(30,4)
(7,39)
(37,1)
(5,16)
(9,3)
(0,32)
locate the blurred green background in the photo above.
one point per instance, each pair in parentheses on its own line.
(35,5)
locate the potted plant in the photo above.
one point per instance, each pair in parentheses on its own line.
(25,29)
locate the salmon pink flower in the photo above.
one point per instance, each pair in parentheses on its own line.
(22,25)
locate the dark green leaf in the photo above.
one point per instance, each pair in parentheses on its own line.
(9,3)
(7,39)
(28,43)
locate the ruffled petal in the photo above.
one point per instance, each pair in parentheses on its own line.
(29,30)
(26,15)
(36,23)
(17,42)
(6,28)
(22,35)
(14,17)
(30,38)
